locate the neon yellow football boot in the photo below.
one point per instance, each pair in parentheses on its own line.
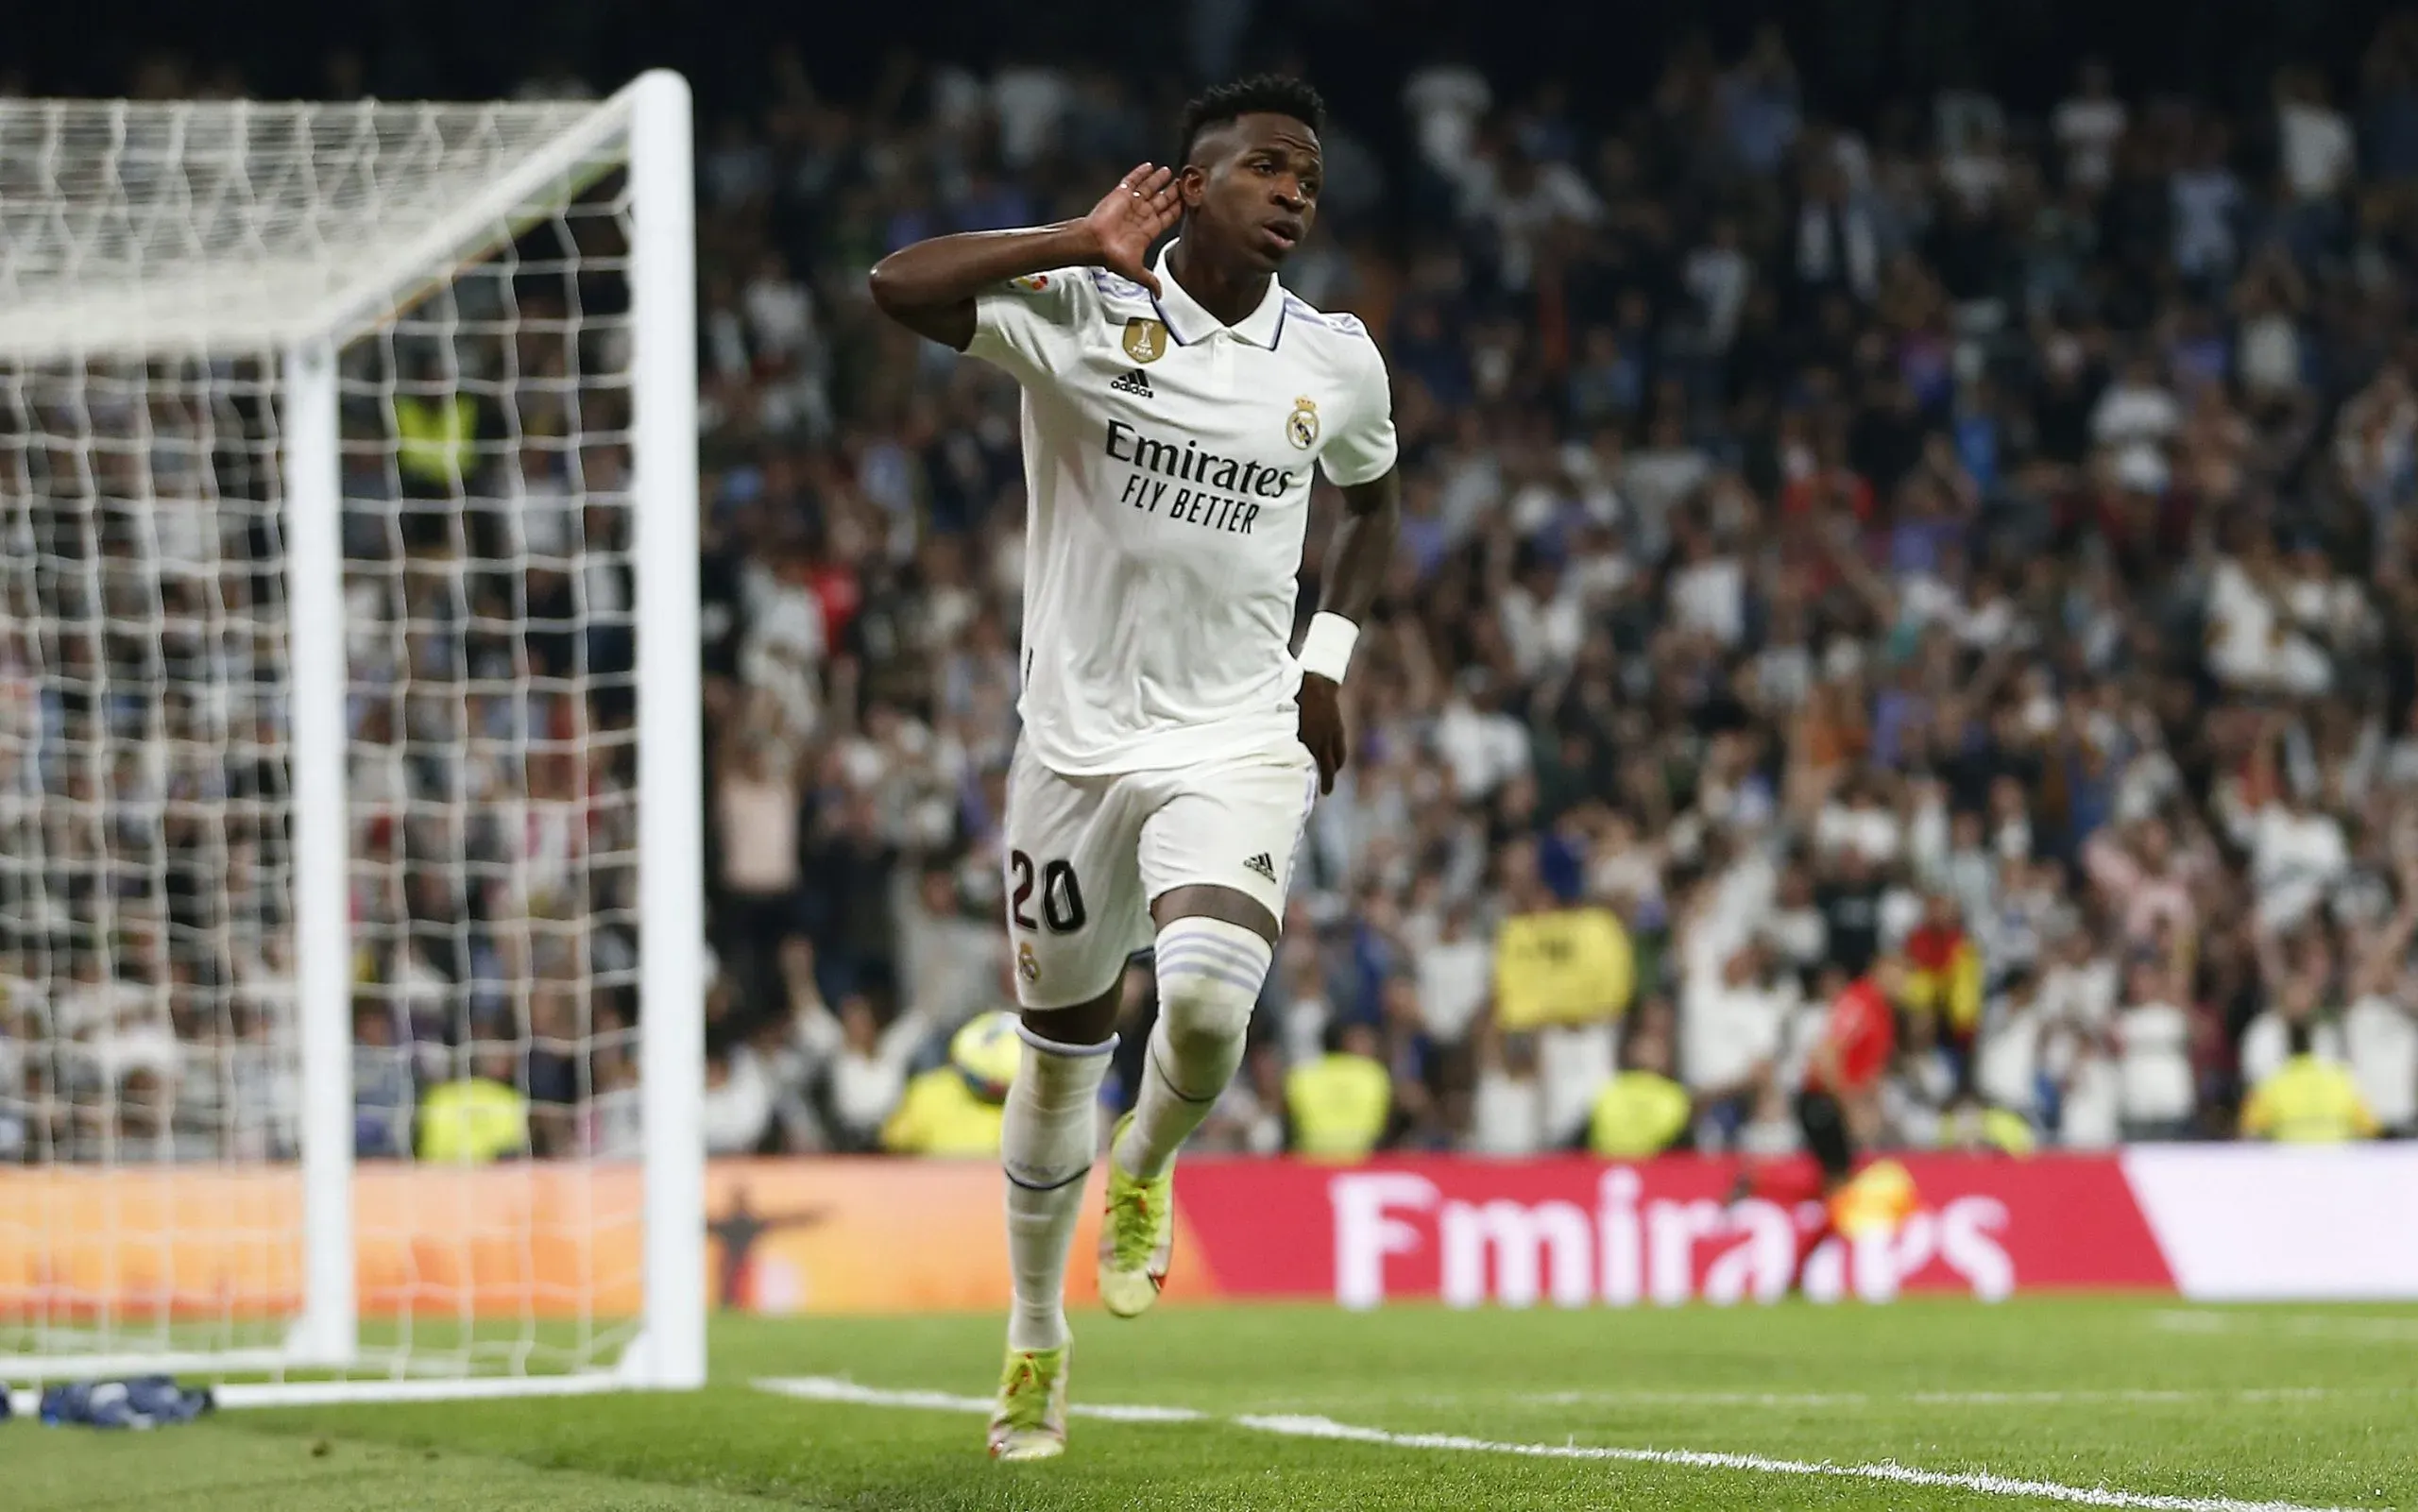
(1137,1235)
(1030,1420)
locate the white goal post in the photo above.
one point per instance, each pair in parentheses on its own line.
(351,891)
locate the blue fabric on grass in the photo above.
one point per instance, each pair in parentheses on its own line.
(137,1402)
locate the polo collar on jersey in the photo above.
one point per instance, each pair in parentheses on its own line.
(1189,323)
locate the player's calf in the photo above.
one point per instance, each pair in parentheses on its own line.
(1209,973)
(1045,1143)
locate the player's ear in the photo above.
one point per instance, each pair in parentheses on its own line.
(1192,185)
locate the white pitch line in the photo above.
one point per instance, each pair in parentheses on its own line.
(2134,1397)
(2353,1327)
(1672,1398)
(833,1389)
(2138,1395)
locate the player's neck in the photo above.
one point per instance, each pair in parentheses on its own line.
(1231,295)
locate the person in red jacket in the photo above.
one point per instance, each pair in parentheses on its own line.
(1843,1079)
(1839,1097)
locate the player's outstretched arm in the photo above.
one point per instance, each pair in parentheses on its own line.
(1358,560)
(929,288)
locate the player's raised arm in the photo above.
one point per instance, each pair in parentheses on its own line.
(929,288)
(1358,560)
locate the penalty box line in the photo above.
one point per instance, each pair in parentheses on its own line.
(835,1390)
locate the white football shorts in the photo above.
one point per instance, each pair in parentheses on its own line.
(1085,855)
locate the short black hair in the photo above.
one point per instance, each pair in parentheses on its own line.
(1260,94)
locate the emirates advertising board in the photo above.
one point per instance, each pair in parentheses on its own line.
(2214,1223)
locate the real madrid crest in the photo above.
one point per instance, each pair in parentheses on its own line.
(1302,426)
(1034,283)
(1146,340)
(1028,964)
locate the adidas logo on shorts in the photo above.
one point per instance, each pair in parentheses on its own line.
(1135,383)
(1262,865)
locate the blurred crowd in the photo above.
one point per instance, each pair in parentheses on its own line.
(1982,542)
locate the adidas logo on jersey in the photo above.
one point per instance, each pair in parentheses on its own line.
(1135,383)
(1262,865)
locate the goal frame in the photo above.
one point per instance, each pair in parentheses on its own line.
(654,116)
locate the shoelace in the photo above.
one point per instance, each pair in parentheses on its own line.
(1135,1238)
(1028,1394)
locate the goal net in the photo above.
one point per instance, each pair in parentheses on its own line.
(349,935)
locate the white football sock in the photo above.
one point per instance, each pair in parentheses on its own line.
(1209,973)
(1046,1145)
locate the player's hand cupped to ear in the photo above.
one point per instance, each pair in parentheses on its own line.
(1129,218)
(1321,706)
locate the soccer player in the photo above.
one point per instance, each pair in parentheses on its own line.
(1172,744)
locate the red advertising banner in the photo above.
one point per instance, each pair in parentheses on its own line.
(1574,1231)
(875,1235)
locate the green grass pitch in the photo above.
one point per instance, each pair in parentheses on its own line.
(2065,1403)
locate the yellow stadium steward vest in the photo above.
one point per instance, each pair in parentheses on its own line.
(1997,1128)
(1339,1103)
(941,1116)
(1638,1113)
(433,440)
(472,1122)
(1568,966)
(2308,1101)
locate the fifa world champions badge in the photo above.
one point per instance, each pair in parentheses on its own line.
(1302,426)
(1146,340)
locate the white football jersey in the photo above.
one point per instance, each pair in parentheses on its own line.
(1168,462)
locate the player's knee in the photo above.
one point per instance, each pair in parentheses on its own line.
(1210,973)
(1202,1019)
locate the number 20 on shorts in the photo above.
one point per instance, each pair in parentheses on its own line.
(1061,897)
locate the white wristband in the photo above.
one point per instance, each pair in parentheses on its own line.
(1327,647)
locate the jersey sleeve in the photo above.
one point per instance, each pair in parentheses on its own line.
(1363,450)
(1026,325)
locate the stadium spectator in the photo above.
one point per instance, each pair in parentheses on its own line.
(1507,1113)
(853,1067)
(1642,1111)
(951,961)
(740,1100)
(2380,1027)
(955,1109)
(477,1118)
(2308,1100)
(2154,1050)
(758,808)
(2088,125)
(1340,1104)
(1732,1018)
(385,1096)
